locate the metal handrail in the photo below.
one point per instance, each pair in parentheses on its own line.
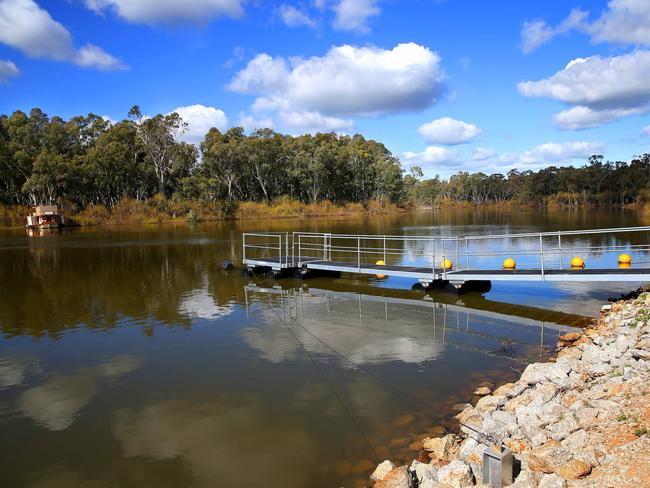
(541,250)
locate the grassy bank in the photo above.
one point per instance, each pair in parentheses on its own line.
(159,210)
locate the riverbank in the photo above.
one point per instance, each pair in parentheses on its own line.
(158,210)
(581,420)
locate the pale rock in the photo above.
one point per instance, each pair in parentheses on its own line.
(494,427)
(456,474)
(466,414)
(517,389)
(551,481)
(606,308)
(557,373)
(396,478)
(424,472)
(382,470)
(548,457)
(539,439)
(482,391)
(524,480)
(563,428)
(490,402)
(467,447)
(587,417)
(577,440)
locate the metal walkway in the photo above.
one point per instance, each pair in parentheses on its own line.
(542,256)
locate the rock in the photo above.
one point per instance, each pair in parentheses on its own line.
(482,391)
(606,308)
(577,440)
(539,439)
(490,402)
(524,480)
(441,447)
(504,389)
(574,469)
(570,337)
(456,474)
(551,481)
(548,457)
(557,373)
(382,470)
(424,471)
(396,478)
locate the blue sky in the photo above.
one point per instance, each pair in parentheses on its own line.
(448,85)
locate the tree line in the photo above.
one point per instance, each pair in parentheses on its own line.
(599,182)
(89,160)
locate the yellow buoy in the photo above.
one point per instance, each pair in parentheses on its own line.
(624,265)
(509,263)
(446,264)
(380,263)
(625,259)
(577,262)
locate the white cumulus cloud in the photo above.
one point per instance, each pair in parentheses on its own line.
(623,22)
(347,81)
(537,32)
(7,70)
(601,89)
(433,157)
(445,162)
(200,119)
(168,11)
(448,131)
(353,15)
(30,29)
(483,153)
(294,17)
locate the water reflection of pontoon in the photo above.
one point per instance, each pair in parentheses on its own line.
(373,328)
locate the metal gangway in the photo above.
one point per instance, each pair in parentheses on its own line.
(616,254)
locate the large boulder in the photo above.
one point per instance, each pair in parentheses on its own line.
(556,373)
(574,469)
(441,448)
(424,472)
(396,478)
(456,474)
(548,458)
(382,470)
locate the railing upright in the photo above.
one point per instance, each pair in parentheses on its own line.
(358,253)
(444,259)
(541,253)
(385,250)
(559,246)
(244,246)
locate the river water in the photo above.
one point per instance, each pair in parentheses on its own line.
(128,357)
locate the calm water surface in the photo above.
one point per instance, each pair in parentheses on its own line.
(129,358)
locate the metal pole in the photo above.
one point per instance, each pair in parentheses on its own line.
(286,248)
(359,254)
(444,259)
(541,252)
(559,246)
(244,246)
(384,249)
(299,250)
(324,247)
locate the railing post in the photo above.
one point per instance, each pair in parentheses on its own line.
(444,259)
(244,246)
(280,249)
(433,257)
(467,252)
(324,247)
(358,253)
(286,248)
(559,246)
(385,250)
(541,252)
(299,250)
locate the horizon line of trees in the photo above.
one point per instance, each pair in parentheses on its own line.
(88,160)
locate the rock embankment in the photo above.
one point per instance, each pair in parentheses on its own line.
(582,420)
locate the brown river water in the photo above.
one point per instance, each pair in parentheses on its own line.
(128,357)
